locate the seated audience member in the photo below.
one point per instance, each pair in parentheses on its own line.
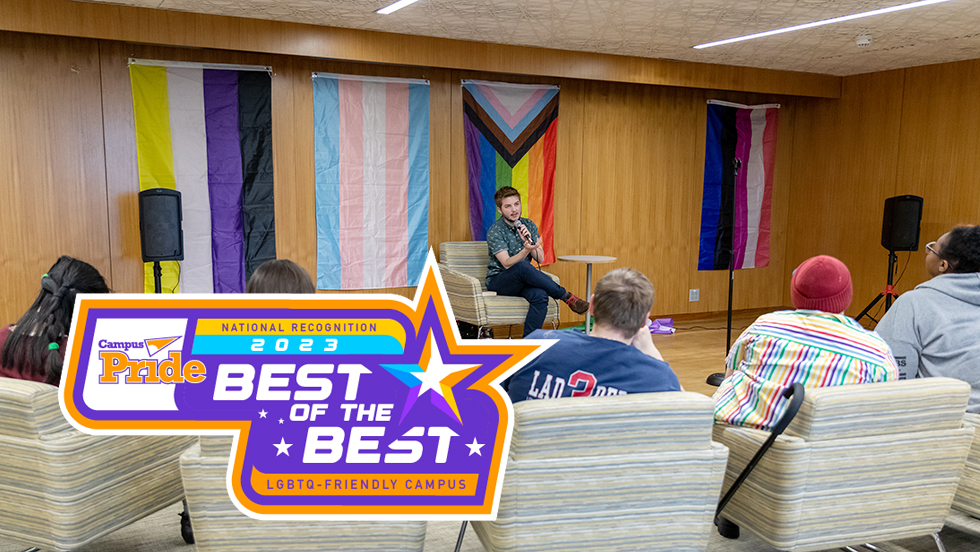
(934,330)
(815,345)
(280,276)
(618,358)
(34,348)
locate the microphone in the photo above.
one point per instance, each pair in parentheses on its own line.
(522,230)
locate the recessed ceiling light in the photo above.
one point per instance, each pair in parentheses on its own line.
(396,6)
(823,22)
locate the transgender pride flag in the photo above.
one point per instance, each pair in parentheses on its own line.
(206,131)
(371,139)
(739,159)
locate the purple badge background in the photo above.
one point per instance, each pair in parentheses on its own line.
(477,411)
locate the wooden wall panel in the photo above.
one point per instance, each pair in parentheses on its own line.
(643,167)
(845,164)
(939,153)
(52,163)
(123,23)
(628,181)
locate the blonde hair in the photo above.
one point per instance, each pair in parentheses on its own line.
(622,300)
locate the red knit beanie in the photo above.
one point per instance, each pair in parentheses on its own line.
(821,283)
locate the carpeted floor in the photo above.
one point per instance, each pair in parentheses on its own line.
(161,533)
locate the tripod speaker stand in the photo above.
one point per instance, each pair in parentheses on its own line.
(899,232)
(886,293)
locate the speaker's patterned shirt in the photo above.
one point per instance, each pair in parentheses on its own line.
(504,237)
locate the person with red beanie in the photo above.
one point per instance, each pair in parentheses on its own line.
(815,345)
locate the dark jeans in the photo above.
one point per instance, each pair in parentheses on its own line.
(523,280)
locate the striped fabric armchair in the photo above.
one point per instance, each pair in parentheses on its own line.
(464,271)
(220,527)
(61,489)
(631,472)
(858,464)
(968,494)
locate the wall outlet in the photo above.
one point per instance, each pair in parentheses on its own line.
(693,295)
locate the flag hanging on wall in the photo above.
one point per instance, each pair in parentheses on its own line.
(206,131)
(511,140)
(371,155)
(739,159)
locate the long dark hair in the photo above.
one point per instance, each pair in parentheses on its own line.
(28,349)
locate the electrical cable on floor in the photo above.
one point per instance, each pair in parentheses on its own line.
(734,329)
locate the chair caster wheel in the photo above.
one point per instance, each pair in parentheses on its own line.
(726,528)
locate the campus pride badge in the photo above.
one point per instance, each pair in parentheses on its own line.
(342,407)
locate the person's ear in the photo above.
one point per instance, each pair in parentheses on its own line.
(943,266)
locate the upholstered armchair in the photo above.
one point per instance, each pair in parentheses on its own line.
(629,472)
(858,464)
(463,266)
(968,494)
(61,489)
(220,527)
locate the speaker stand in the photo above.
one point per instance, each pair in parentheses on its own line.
(887,293)
(718,377)
(157,277)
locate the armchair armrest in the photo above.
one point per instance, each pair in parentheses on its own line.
(465,296)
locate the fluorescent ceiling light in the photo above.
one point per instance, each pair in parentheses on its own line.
(824,22)
(396,6)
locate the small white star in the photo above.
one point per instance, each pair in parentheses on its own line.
(475,448)
(262,413)
(283,448)
(280,421)
(437,370)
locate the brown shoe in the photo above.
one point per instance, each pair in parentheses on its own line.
(577,305)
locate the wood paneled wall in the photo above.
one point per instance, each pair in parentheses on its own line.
(628,183)
(53,197)
(909,131)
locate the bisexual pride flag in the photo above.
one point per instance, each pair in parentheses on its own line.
(739,159)
(511,140)
(371,157)
(206,131)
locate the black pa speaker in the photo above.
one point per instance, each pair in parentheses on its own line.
(161,236)
(900,223)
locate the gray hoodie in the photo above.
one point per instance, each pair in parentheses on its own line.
(934,330)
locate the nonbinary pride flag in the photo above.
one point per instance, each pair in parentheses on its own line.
(511,140)
(739,158)
(371,156)
(206,131)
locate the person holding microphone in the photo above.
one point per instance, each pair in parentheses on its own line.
(512,242)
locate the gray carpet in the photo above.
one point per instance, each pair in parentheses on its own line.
(161,533)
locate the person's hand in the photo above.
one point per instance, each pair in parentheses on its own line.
(528,244)
(643,341)
(525,234)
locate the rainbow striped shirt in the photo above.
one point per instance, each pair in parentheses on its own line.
(817,349)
